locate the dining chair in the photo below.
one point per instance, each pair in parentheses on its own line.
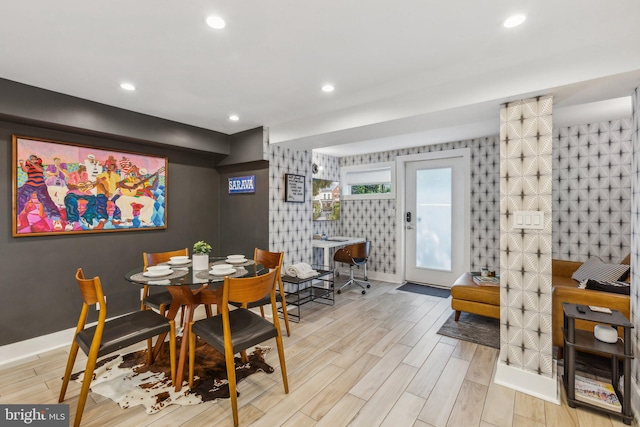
(355,255)
(271,260)
(234,331)
(160,300)
(107,337)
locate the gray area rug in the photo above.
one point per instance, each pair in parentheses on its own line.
(425,290)
(486,331)
(471,327)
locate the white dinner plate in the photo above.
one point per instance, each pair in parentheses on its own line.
(179,261)
(236,260)
(222,272)
(158,273)
(158,268)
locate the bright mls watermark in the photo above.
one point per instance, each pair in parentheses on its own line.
(34,415)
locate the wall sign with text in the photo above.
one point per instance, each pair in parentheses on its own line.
(294,188)
(242,184)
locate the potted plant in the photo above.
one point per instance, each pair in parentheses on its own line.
(201,252)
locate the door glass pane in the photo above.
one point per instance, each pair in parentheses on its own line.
(433,221)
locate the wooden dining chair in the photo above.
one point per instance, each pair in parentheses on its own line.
(107,337)
(355,255)
(272,260)
(160,300)
(234,331)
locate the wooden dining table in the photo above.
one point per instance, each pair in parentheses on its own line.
(190,288)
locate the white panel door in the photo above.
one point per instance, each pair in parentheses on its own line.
(436,220)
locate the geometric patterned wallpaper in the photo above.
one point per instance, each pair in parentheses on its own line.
(370,218)
(290,226)
(635,244)
(592,191)
(525,254)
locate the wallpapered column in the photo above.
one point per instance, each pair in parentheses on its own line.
(290,227)
(635,246)
(525,254)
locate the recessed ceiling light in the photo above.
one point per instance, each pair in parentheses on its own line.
(514,21)
(328,88)
(216,22)
(127,86)
(234,118)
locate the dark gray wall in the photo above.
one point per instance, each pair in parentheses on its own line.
(27,104)
(244,218)
(39,293)
(245,147)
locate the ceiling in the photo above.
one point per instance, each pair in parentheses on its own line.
(405,72)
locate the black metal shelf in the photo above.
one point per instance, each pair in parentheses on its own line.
(319,288)
(579,340)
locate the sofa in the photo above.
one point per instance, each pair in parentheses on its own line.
(484,300)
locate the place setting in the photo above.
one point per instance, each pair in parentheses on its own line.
(236,260)
(179,261)
(155,272)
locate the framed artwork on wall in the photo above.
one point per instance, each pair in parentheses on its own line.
(294,190)
(65,188)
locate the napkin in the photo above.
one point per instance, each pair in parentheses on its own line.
(301,270)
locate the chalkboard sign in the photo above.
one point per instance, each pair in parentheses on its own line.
(294,188)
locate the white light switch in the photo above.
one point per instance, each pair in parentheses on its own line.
(529,219)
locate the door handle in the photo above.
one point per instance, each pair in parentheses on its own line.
(409,227)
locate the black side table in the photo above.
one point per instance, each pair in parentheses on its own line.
(576,339)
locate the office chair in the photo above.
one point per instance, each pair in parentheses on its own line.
(354,255)
(107,337)
(234,331)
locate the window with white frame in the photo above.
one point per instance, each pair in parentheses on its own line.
(372,181)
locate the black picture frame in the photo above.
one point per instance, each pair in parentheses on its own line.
(294,188)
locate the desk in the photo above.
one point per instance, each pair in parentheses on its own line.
(334,242)
(190,288)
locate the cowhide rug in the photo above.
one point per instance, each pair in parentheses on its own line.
(127,380)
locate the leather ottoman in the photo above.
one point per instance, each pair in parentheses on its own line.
(468,296)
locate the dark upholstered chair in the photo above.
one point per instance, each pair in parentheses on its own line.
(355,255)
(271,260)
(234,331)
(107,337)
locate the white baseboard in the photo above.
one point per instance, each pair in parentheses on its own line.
(373,275)
(544,388)
(34,346)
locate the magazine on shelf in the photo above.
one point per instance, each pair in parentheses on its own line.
(597,393)
(485,280)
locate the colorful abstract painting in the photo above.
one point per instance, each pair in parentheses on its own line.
(63,188)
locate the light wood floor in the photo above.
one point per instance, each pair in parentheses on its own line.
(369,360)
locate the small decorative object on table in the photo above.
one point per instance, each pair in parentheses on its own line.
(487,280)
(200,256)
